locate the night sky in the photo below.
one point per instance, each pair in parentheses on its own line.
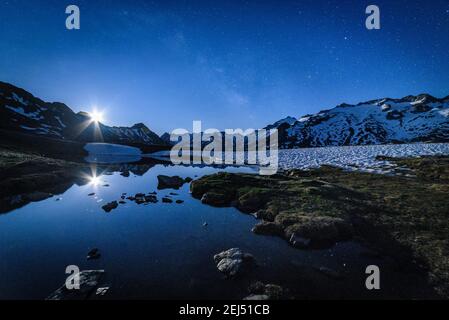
(228,63)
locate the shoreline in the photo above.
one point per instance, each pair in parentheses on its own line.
(402,217)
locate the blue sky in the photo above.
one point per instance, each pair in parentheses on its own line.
(231,64)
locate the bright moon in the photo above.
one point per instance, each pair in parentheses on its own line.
(95,181)
(96,116)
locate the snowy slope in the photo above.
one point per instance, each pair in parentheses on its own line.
(410,119)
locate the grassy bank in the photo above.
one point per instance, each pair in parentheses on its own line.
(406,217)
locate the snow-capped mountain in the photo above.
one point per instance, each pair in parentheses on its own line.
(21,111)
(420,118)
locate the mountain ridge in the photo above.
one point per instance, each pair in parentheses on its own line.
(420,118)
(22,111)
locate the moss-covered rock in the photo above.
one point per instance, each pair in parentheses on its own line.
(405,216)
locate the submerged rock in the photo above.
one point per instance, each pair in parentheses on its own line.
(231,262)
(260,291)
(110,206)
(179,201)
(89,281)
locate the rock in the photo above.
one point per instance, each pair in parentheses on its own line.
(122,202)
(105,185)
(233,261)
(257,287)
(102,291)
(166,182)
(173,194)
(179,201)
(274,291)
(215,199)
(93,254)
(150,199)
(110,206)
(89,281)
(260,291)
(299,242)
(153,193)
(139,195)
(188,180)
(167,200)
(91,194)
(318,231)
(267,228)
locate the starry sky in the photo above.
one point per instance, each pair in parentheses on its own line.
(230,64)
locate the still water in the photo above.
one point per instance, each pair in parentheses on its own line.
(163,251)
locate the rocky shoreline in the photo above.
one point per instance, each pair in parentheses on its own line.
(404,217)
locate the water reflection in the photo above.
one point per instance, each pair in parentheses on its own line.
(34,183)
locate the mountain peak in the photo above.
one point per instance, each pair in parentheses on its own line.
(139,125)
(381,121)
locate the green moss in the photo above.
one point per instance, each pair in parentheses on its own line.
(402,215)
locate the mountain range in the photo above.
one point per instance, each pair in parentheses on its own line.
(21,111)
(421,118)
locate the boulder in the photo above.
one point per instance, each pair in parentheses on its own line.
(231,262)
